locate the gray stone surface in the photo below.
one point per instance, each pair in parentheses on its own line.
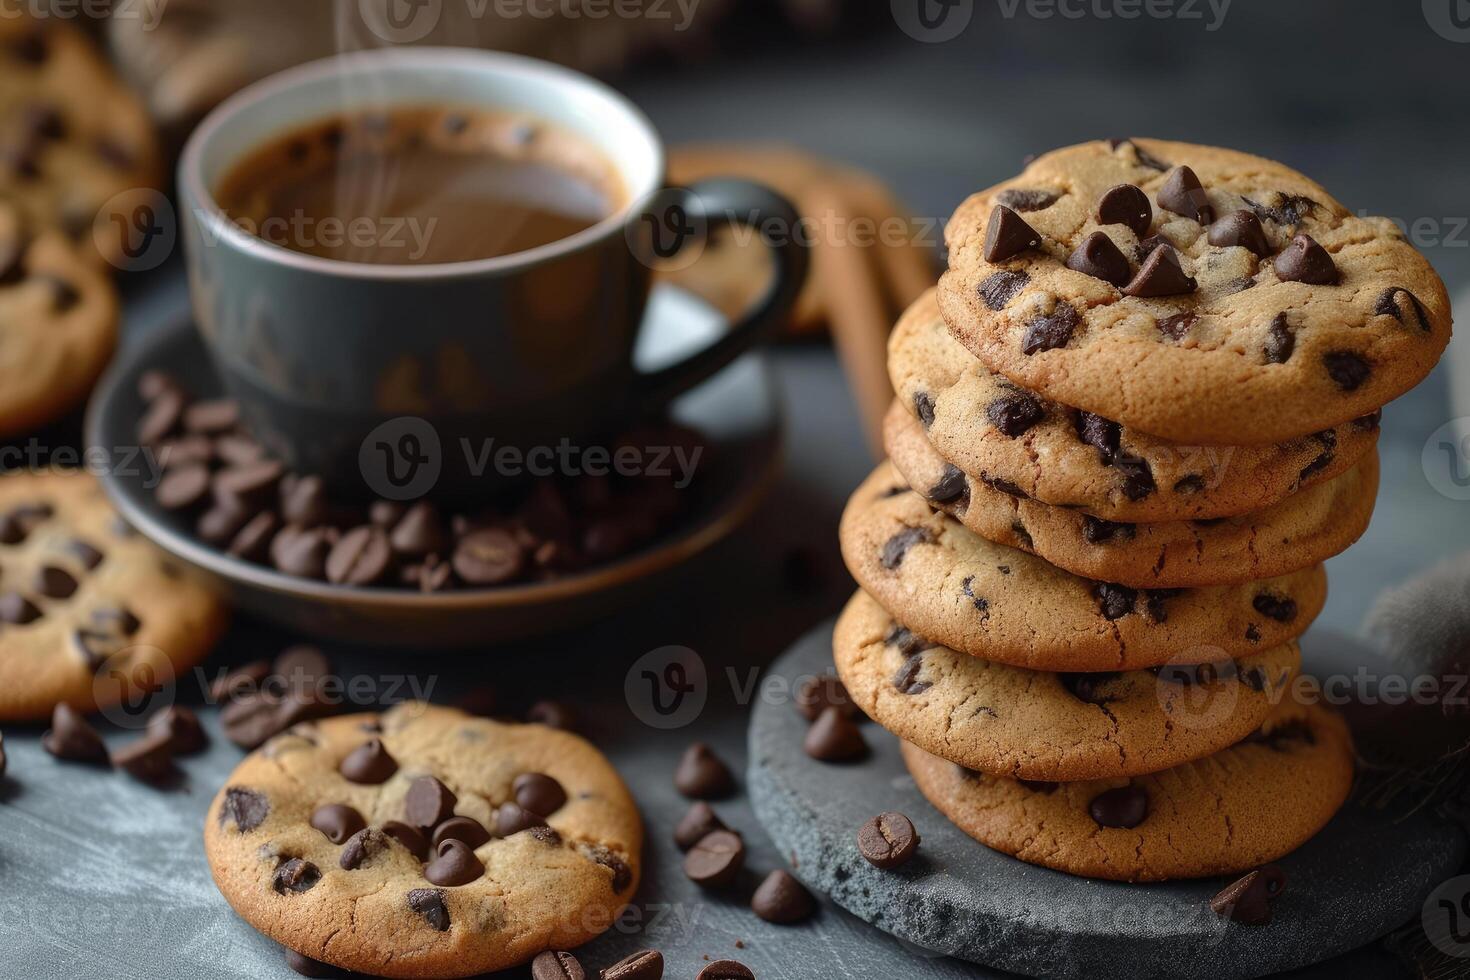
(1365,874)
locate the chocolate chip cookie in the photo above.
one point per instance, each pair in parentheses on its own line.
(89,611)
(1199,294)
(58,322)
(425,842)
(1233,811)
(947,583)
(1306,528)
(1031,725)
(1022,443)
(72,135)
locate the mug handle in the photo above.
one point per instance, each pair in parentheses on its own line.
(744,202)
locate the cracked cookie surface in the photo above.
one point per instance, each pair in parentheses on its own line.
(949,584)
(1233,811)
(1034,725)
(1010,437)
(90,612)
(1296,533)
(1249,305)
(424,842)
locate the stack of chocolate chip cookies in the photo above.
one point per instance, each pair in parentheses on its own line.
(1134,418)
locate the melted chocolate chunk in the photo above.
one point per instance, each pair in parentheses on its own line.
(898,546)
(951,486)
(428,903)
(905,640)
(1095,530)
(295,876)
(1388,304)
(1004,486)
(1125,807)
(999,288)
(1280,608)
(1176,326)
(1020,199)
(981,604)
(1051,330)
(1114,601)
(924,408)
(1280,341)
(906,680)
(1088,688)
(1014,414)
(1019,530)
(1290,209)
(1327,439)
(1346,369)
(1190,483)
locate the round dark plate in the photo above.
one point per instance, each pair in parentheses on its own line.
(737,411)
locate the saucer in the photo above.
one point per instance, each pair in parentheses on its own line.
(737,412)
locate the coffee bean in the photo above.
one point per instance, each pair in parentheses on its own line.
(1306,261)
(149,759)
(181,727)
(182,487)
(1183,194)
(455,864)
(715,860)
(162,416)
(1125,204)
(888,840)
(368,764)
(1280,341)
(428,803)
(295,876)
(242,679)
(726,970)
(301,551)
(413,841)
(1008,235)
(219,524)
(556,965)
(512,818)
(1243,229)
(466,829)
(253,541)
(362,557)
(1389,304)
(539,793)
(1125,807)
(782,900)
(54,583)
(646,964)
(1248,899)
(816,694)
(1099,258)
(488,557)
(238,450)
(419,532)
(250,485)
(304,502)
(184,450)
(1015,414)
(1280,608)
(834,737)
(428,903)
(1176,326)
(1050,330)
(212,416)
(999,288)
(1347,369)
(1161,274)
(337,822)
(245,808)
(385,513)
(701,775)
(897,547)
(698,821)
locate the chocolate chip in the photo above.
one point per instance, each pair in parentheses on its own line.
(1306,261)
(1050,330)
(1095,530)
(295,876)
(454,864)
(17,609)
(429,904)
(149,759)
(512,818)
(1015,414)
(1153,603)
(1125,807)
(1008,235)
(55,583)
(781,899)
(428,802)
(1102,434)
(362,557)
(12,260)
(1241,228)
(1346,369)
(1088,688)
(337,822)
(412,841)
(182,487)
(1290,209)
(1114,601)
(698,821)
(951,486)
(1253,633)
(1144,158)
(539,793)
(1327,439)
(181,727)
(212,416)
(552,965)
(906,680)
(726,970)
(967,586)
(1019,199)
(1280,608)
(31,47)
(1369,422)
(999,288)
(701,775)
(245,808)
(466,829)
(64,295)
(1125,204)
(83,552)
(924,408)
(834,737)
(1149,245)
(1183,194)
(622,875)
(252,542)
(646,964)
(368,764)
(304,501)
(1176,326)
(715,860)
(1161,275)
(1388,304)
(1248,900)
(816,694)
(1098,257)
(897,547)
(888,840)
(1280,341)
(488,557)
(419,532)
(1190,483)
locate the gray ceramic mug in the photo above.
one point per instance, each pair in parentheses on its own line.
(350,370)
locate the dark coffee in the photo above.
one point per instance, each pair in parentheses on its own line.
(421,185)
